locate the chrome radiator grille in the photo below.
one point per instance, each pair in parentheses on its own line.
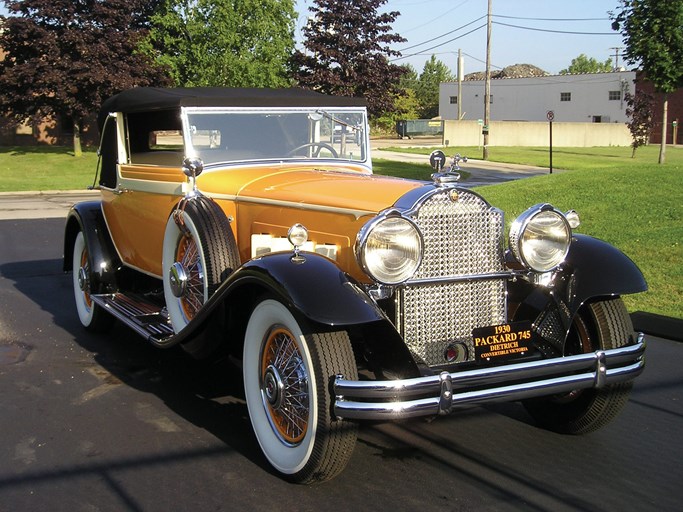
(462,237)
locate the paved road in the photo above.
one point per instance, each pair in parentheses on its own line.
(108,423)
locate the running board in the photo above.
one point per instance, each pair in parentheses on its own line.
(143,316)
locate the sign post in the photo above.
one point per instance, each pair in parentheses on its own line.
(551,115)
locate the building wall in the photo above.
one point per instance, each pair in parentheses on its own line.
(514,133)
(529,99)
(674,112)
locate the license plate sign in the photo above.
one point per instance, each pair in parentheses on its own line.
(502,342)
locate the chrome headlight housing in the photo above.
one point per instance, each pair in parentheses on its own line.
(389,249)
(540,238)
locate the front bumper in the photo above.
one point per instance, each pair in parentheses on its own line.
(439,394)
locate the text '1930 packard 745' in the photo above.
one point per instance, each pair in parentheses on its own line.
(249,222)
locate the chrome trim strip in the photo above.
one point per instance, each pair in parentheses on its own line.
(466,278)
(398,398)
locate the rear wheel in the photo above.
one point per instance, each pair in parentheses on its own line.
(199,251)
(287,383)
(91,315)
(599,326)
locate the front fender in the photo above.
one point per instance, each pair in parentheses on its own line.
(313,285)
(103,258)
(593,268)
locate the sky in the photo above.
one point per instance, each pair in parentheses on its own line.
(556,31)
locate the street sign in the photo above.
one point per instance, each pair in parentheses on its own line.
(550,115)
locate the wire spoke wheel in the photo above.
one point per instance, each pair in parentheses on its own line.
(287,375)
(192,297)
(284,385)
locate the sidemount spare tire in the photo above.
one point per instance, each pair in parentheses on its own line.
(199,251)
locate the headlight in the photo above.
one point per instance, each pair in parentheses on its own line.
(540,238)
(390,249)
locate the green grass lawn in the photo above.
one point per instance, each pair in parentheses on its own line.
(45,168)
(563,158)
(635,204)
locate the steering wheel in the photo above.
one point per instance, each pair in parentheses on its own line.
(319,145)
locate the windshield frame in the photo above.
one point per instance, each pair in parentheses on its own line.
(330,113)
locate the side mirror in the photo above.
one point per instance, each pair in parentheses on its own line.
(193,167)
(437,160)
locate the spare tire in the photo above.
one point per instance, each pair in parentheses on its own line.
(199,252)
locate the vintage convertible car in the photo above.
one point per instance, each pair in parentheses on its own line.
(248,223)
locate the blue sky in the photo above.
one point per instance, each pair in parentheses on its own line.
(424,20)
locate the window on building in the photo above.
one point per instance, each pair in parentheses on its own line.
(565,96)
(491,99)
(614,95)
(454,100)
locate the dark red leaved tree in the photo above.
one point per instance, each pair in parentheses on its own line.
(64,57)
(347,51)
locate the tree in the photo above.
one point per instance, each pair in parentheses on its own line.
(228,43)
(652,35)
(585,64)
(347,52)
(64,57)
(640,112)
(427,92)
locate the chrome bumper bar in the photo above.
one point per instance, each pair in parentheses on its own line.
(439,394)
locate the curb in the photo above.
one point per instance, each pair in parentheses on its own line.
(658,325)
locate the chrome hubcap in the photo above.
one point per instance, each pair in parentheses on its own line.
(273,387)
(83,280)
(177,276)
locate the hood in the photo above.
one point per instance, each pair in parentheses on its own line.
(312,187)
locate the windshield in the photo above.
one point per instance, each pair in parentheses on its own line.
(232,135)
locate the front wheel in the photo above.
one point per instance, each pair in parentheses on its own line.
(599,326)
(287,384)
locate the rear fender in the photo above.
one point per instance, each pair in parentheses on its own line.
(103,258)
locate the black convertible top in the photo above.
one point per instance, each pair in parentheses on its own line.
(141,99)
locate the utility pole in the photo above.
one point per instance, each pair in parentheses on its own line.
(616,56)
(487,86)
(460,71)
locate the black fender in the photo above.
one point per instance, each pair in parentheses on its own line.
(311,284)
(316,289)
(104,260)
(593,268)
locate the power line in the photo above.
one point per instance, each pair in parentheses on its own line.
(442,35)
(549,19)
(439,45)
(556,31)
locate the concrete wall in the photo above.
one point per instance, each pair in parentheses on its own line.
(515,133)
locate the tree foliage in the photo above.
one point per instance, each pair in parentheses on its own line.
(427,89)
(639,109)
(226,43)
(653,36)
(585,64)
(347,50)
(64,57)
